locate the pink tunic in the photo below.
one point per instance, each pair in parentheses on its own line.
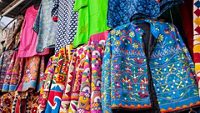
(28,37)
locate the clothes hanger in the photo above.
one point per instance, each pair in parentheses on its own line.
(171,16)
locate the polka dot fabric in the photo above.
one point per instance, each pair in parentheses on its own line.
(67,22)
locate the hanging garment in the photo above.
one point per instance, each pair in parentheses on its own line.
(5,61)
(45,27)
(90,94)
(196,38)
(92,19)
(124,70)
(31,73)
(13,74)
(67,22)
(70,96)
(58,82)
(45,89)
(28,37)
(97,45)
(12,41)
(122,12)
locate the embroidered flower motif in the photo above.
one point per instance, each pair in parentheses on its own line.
(132,34)
(126,80)
(60,79)
(160,38)
(118,33)
(135,45)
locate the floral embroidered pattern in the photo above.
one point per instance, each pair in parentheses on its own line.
(33,69)
(124,71)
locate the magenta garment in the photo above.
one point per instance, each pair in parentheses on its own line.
(28,37)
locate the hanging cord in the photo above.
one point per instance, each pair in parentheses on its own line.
(171,16)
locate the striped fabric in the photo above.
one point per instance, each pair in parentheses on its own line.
(196,48)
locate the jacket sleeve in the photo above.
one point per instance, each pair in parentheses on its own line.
(106,78)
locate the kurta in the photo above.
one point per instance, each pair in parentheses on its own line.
(92,19)
(67,22)
(124,73)
(28,37)
(45,27)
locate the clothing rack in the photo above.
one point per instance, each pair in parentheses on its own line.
(11,6)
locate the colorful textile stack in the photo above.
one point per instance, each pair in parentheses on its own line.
(196,48)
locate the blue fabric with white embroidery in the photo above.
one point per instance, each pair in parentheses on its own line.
(124,69)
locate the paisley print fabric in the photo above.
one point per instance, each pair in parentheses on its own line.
(123,11)
(58,82)
(124,74)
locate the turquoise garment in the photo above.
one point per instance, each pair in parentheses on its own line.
(125,76)
(45,27)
